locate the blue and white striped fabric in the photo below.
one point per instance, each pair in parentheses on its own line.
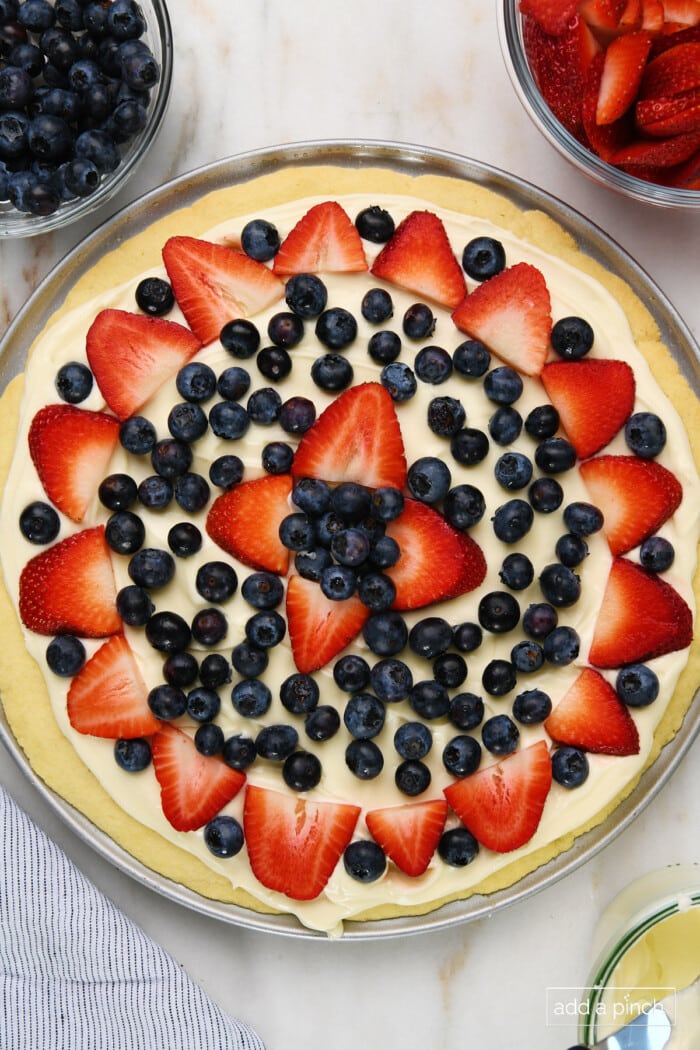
(77,974)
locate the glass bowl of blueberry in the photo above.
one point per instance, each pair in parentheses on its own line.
(613,87)
(84,85)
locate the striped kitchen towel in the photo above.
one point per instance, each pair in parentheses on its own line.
(77,974)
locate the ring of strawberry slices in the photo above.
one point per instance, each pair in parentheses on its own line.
(295,841)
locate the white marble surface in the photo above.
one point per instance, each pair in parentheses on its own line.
(253,74)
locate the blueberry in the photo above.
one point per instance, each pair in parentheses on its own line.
(364,759)
(336,328)
(657,554)
(399,380)
(500,735)
(299,693)
(229,420)
(13,135)
(571,550)
(429,699)
(428,479)
(498,677)
(571,338)
(30,60)
(297,415)
(351,673)
(545,495)
(384,552)
(430,636)
(469,446)
(498,612)
(132,755)
(168,632)
(263,406)
(74,382)
(457,847)
(306,295)
(239,752)
(311,563)
(364,860)
(260,240)
(233,383)
(65,655)
(251,698)
(505,425)
(277,457)
(561,646)
(471,359)
(263,590)
(583,519)
(216,581)
(531,707)
(385,633)
(466,710)
(569,767)
(450,670)
(559,585)
(527,656)
(461,755)
(137,435)
(384,346)
(226,471)
(140,70)
(413,740)
(296,532)
(209,626)
(134,605)
(637,685)
(375,224)
(542,422)
(322,723)
(39,523)
(180,669)
(301,771)
(555,455)
(364,716)
(187,421)
(433,365)
(203,705)
(312,495)
(191,492)
(36,15)
(517,571)
(209,739)
(285,329)
(377,591)
(645,434)
(338,582)
(170,458)
(391,680)
(513,471)
(412,777)
(350,547)
(467,636)
(196,382)
(98,147)
(249,660)
(276,742)
(167,702)
(125,534)
(513,520)
(483,257)
(265,629)
(377,306)
(418,321)
(503,385)
(446,416)
(352,501)
(240,338)
(332,372)
(539,619)
(223,836)
(215,671)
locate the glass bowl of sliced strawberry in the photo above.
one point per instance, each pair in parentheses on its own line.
(614,85)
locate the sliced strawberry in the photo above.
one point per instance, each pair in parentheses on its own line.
(324,240)
(502,804)
(683,12)
(214,284)
(661,117)
(511,314)
(593,397)
(603,16)
(553,16)
(659,153)
(409,834)
(623,66)
(108,697)
(193,787)
(69,588)
(436,561)
(419,258)
(667,40)
(320,628)
(687,175)
(245,521)
(293,843)
(653,16)
(356,438)
(70,448)
(132,355)
(559,65)
(603,139)
(641,617)
(636,496)
(672,72)
(631,18)
(590,715)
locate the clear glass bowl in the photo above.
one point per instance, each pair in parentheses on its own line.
(510,27)
(158,36)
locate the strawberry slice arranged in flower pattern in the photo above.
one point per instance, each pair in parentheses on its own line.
(193,787)
(108,697)
(594,398)
(132,355)
(641,617)
(409,834)
(319,628)
(502,804)
(245,521)
(69,588)
(591,716)
(214,284)
(293,843)
(420,259)
(511,314)
(636,496)
(71,448)
(325,240)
